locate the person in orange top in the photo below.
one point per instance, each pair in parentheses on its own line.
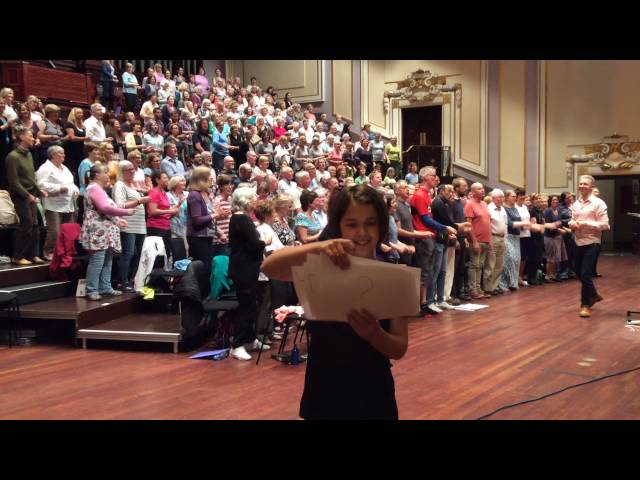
(476,211)
(589,219)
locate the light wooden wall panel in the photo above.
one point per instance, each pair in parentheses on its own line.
(342,88)
(512,87)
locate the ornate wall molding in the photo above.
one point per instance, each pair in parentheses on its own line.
(614,155)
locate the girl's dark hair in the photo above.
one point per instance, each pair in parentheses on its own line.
(342,199)
(155,176)
(306,199)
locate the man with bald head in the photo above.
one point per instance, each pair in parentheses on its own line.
(228,168)
(252,158)
(477,213)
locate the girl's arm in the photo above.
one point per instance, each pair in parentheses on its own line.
(278,266)
(390,344)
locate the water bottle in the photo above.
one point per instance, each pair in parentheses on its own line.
(295,355)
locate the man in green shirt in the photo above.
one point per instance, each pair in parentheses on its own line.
(24,192)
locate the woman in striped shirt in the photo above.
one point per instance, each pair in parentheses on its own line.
(222,209)
(132,236)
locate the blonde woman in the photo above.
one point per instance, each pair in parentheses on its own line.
(178,199)
(6,96)
(111,162)
(50,132)
(139,179)
(76,134)
(34,105)
(200,218)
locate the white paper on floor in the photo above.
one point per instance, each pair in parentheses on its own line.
(327,292)
(470,307)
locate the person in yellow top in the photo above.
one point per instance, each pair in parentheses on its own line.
(393,155)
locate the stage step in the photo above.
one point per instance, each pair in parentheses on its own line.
(136,328)
(40,291)
(84,312)
(15,275)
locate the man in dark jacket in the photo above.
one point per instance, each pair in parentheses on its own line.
(458,290)
(442,213)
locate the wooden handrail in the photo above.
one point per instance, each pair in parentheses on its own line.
(424,145)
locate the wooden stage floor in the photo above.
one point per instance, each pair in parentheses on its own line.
(460,365)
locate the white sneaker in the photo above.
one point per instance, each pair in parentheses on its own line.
(240,353)
(444,306)
(435,308)
(256,344)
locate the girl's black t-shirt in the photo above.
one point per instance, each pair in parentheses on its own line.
(346,378)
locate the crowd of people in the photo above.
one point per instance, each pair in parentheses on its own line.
(213,168)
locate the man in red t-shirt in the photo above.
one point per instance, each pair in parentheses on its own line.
(477,212)
(423,222)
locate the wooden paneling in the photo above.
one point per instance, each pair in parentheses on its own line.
(342,88)
(512,89)
(459,365)
(52,85)
(55,84)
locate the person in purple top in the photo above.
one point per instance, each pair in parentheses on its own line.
(200,218)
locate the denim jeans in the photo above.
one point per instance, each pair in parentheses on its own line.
(438,274)
(131,246)
(99,271)
(585,258)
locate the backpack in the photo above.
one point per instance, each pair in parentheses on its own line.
(8,214)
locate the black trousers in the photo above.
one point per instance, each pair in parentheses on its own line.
(595,264)
(107,94)
(528,255)
(282,293)
(132,101)
(201,248)
(459,270)
(264,308)
(4,151)
(27,241)
(244,322)
(570,247)
(585,263)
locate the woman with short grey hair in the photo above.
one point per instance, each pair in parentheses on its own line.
(244,267)
(60,204)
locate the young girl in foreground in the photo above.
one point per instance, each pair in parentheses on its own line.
(348,372)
